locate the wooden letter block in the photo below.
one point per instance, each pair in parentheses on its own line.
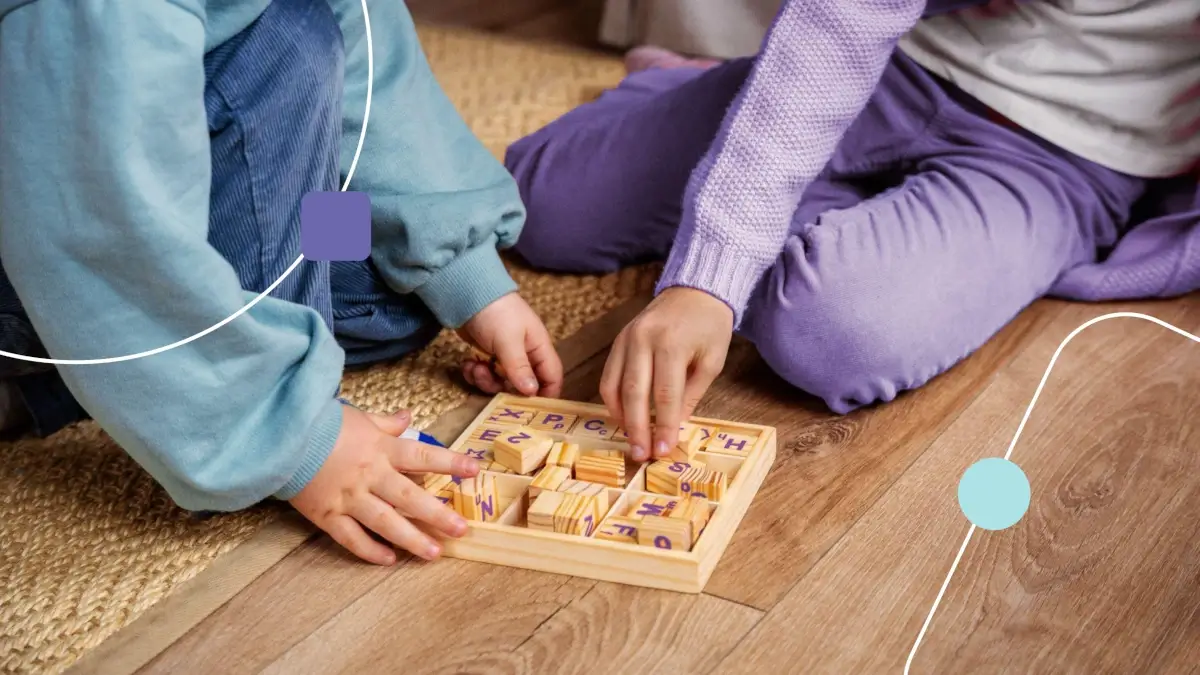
(693,482)
(584,515)
(521,450)
(691,440)
(479,452)
(551,477)
(512,415)
(666,533)
(577,515)
(610,454)
(559,423)
(605,467)
(706,432)
(618,528)
(708,485)
(648,505)
(563,453)
(563,513)
(595,490)
(476,499)
(446,495)
(572,486)
(594,427)
(663,477)
(483,437)
(435,482)
(541,511)
(726,443)
(695,511)
(600,494)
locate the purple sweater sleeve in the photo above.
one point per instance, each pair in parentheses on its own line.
(818,66)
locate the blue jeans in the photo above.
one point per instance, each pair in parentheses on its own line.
(274,106)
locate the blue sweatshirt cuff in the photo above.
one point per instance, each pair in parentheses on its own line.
(325,433)
(466,285)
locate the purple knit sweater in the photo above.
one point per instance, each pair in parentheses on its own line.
(819,65)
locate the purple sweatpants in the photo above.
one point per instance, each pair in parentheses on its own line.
(930,229)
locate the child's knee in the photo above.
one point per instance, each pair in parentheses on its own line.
(559,232)
(850,350)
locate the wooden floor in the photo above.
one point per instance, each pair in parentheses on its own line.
(843,552)
(837,562)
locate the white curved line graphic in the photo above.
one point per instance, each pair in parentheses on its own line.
(151,352)
(1038,392)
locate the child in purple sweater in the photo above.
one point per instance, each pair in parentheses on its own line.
(877,193)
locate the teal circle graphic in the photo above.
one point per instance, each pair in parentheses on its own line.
(994,493)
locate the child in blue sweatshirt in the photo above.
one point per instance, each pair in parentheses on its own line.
(153,158)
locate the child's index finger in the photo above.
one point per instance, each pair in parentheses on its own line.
(410,456)
(519,372)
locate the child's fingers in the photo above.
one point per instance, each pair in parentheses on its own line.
(416,504)
(485,372)
(350,535)
(416,457)
(392,425)
(670,378)
(547,365)
(635,393)
(486,380)
(703,375)
(512,356)
(382,519)
(610,380)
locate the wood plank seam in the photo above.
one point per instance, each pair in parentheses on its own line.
(533,633)
(736,602)
(716,663)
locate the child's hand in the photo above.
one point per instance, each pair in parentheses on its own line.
(360,488)
(671,352)
(511,330)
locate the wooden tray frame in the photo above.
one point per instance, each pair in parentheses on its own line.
(507,542)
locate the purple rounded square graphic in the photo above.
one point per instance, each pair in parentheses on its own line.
(335,226)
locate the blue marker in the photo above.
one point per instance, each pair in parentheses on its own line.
(409,433)
(414,435)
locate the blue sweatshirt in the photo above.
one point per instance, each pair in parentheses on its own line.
(104,196)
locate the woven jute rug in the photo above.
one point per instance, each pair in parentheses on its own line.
(88,542)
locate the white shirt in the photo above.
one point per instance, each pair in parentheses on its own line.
(1095,77)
